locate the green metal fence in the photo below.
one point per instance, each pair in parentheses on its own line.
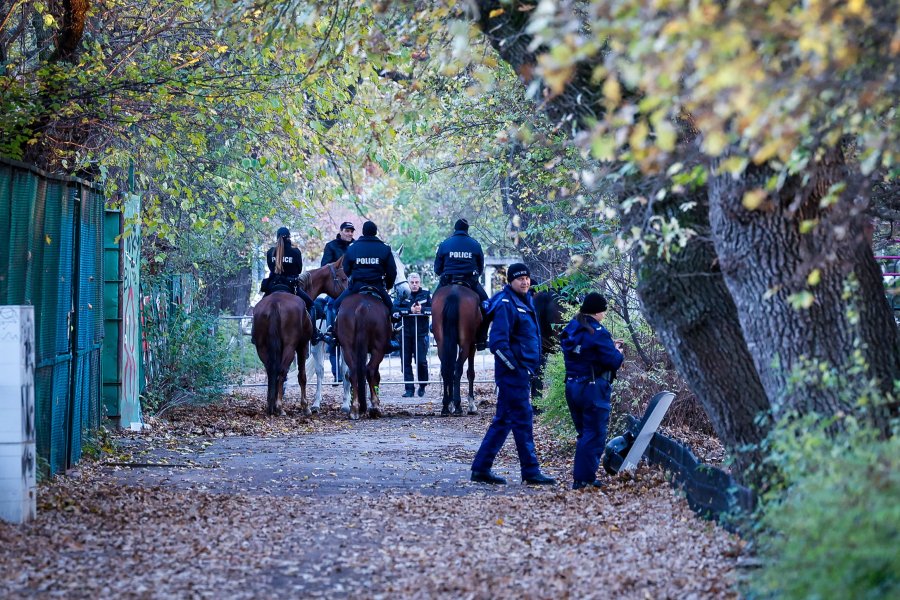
(51,256)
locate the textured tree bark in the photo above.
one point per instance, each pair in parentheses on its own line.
(765,258)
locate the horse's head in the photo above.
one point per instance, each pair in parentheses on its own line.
(401,286)
(339,280)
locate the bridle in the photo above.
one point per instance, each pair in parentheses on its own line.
(334,278)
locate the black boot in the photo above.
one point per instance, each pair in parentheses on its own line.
(539,479)
(487,477)
(577,485)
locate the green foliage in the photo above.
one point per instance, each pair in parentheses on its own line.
(188,358)
(831,521)
(553,399)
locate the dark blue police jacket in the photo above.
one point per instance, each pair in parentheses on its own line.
(588,353)
(369,260)
(291,263)
(459,255)
(515,333)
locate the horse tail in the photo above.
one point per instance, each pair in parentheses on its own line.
(450,344)
(360,346)
(273,343)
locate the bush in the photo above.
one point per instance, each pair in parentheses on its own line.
(187,359)
(829,525)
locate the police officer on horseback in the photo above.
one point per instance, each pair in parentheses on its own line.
(285,265)
(460,260)
(369,262)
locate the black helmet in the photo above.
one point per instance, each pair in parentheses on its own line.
(616,451)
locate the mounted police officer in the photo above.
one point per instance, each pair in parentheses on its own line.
(369,262)
(334,249)
(516,345)
(592,358)
(285,265)
(338,246)
(415,311)
(460,260)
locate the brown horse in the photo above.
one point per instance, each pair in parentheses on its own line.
(282,330)
(456,320)
(363,329)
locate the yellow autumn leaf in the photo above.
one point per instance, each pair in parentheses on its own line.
(814,277)
(47,239)
(612,90)
(714,143)
(665,136)
(496,13)
(753,199)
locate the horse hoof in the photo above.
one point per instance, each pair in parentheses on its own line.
(374,413)
(307,413)
(472,411)
(315,410)
(354,416)
(281,412)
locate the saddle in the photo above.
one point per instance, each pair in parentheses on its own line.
(463,280)
(369,290)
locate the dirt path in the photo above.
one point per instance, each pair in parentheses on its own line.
(240,506)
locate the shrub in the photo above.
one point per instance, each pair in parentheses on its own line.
(830,523)
(187,358)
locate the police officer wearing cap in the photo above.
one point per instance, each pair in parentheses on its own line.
(285,264)
(338,246)
(460,259)
(334,249)
(516,345)
(592,358)
(369,262)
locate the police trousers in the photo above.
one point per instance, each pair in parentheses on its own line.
(514,415)
(589,406)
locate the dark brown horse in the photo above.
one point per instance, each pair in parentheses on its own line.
(548,306)
(282,330)
(456,320)
(363,330)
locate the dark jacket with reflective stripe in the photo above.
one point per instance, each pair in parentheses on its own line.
(459,254)
(369,260)
(292,263)
(335,249)
(515,333)
(588,353)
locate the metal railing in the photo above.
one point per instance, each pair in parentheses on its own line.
(248,366)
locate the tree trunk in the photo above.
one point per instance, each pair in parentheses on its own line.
(765,259)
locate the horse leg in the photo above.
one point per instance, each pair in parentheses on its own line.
(457,382)
(373,376)
(343,374)
(286,362)
(315,366)
(470,372)
(301,379)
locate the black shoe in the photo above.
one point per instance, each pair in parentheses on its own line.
(539,479)
(577,485)
(408,394)
(421,391)
(487,477)
(481,346)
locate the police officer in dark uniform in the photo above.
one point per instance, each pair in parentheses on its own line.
(516,345)
(460,259)
(338,246)
(334,249)
(592,358)
(369,262)
(414,311)
(285,265)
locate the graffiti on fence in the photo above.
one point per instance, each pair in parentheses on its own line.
(131,247)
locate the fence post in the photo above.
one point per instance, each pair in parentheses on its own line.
(18,494)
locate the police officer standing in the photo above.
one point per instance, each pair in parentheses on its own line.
(516,345)
(369,262)
(592,358)
(415,311)
(285,264)
(460,259)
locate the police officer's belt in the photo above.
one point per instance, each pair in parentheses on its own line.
(605,375)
